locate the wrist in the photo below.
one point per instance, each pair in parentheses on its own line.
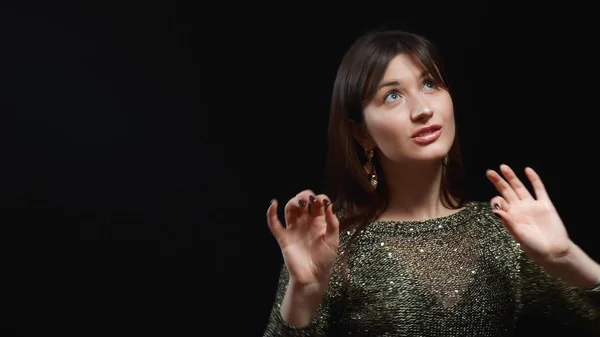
(300,303)
(576,268)
(308,290)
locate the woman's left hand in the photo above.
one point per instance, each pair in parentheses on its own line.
(532,221)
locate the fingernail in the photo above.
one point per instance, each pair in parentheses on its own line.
(301,202)
(326,202)
(312,199)
(272,201)
(496,206)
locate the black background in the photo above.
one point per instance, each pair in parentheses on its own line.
(142,143)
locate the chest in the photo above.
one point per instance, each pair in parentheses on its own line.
(437,284)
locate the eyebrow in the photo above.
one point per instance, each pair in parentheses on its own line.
(425,73)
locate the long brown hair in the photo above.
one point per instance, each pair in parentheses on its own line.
(358,75)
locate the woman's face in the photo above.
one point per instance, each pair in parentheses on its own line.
(407,101)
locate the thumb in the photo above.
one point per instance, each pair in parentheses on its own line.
(275,225)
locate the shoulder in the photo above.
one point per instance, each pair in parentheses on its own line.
(491,223)
(482,211)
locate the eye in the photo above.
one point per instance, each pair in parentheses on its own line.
(429,85)
(392,97)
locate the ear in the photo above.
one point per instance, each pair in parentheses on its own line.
(360,133)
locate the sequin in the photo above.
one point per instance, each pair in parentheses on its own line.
(461,274)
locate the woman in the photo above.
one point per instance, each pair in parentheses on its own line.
(396,247)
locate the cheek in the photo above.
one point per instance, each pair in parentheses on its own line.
(387,127)
(390,135)
(447,118)
(445,107)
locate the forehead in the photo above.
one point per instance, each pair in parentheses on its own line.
(403,67)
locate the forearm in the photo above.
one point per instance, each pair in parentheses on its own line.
(300,303)
(576,268)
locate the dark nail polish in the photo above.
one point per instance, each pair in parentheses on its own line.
(301,202)
(312,199)
(326,202)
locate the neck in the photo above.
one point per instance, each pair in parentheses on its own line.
(415,191)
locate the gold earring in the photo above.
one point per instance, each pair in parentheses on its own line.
(370,168)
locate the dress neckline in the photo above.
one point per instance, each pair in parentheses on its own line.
(419,226)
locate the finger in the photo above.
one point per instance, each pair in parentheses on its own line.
(308,196)
(317,204)
(275,225)
(536,182)
(333,225)
(502,186)
(296,208)
(515,182)
(500,208)
(499,203)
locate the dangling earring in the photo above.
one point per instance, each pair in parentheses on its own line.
(445,160)
(370,168)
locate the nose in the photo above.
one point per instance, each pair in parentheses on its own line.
(421,110)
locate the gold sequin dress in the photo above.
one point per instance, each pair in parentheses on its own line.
(459,275)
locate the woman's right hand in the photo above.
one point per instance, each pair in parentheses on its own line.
(309,241)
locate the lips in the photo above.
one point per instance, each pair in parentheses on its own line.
(427,135)
(424,131)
